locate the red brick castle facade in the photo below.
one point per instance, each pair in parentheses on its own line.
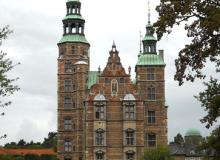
(104,115)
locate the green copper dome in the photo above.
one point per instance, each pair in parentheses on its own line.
(149,38)
(73,38)
(193,132)
(150,59)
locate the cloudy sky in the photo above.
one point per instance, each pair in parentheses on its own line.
(37,28)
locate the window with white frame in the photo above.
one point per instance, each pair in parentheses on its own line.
(99,112)
(150,74)
(99,137)
(68,67)
(129,112)
(151,93)
(151,116)
(68,85)
(129,137)
(67,145)
(67,124)
(67,102)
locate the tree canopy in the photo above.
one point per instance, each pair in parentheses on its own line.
(202,23)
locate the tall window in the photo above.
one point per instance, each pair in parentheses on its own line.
(151,139)
(99,139)
(68,85)
(114,87)
(129,112)
(100,112)
(67,124)
(151,116)
(68,67)
(129,137)
(99,155)
(150,74)
(129,155)
(67,102)
(151,93)
(74,50)
(67,146)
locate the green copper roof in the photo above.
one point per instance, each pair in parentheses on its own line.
(73,38)
(93,78)
(193,132)
(149,38)
(150,59)
(73,16)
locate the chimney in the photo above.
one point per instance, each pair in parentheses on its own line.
(161,54)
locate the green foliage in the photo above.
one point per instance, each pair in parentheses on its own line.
(202,23)
(178,139)
(158,153)
(7,87)
(210,100)
(48,157)
(28,157)
(50,141)
(31,157)
(212,142)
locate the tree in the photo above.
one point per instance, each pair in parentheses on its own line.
(7,87)
(50,141)
(202,23)
(178,139)
(157,153)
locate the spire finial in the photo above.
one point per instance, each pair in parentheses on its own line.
(140,42)
(149,15)
(114,47)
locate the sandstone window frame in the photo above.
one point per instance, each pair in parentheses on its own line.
(67,158)
(151,116)
(114,87)
(99,137)
(68,102)
(129,110)
(100,155)
(129,137)
(99,110)
(130,155)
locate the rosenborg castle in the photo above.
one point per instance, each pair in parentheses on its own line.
(104,114)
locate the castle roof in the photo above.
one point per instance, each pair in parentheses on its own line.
(193,132)
(93,78)
(150,60)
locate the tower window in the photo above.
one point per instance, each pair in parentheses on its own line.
(67,102)
(150,74)
(129,137)
(67,146)
(99,137)
(67,124)
(68,67)
(151,116)
(67,158)
(129,112)
(74,50)
(122,80)
(68,85)
(151,93)
(130,155)
(99,155)
(100,112)
(151,140)
(106,80)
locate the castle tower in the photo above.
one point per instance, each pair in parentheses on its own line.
(73,69)
(151,87)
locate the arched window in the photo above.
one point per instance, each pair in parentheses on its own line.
(114,87)
(67,158)
(99,155)
(129,137)
(99,137)
(130,155)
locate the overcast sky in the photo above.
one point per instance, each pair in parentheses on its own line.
(37,27)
